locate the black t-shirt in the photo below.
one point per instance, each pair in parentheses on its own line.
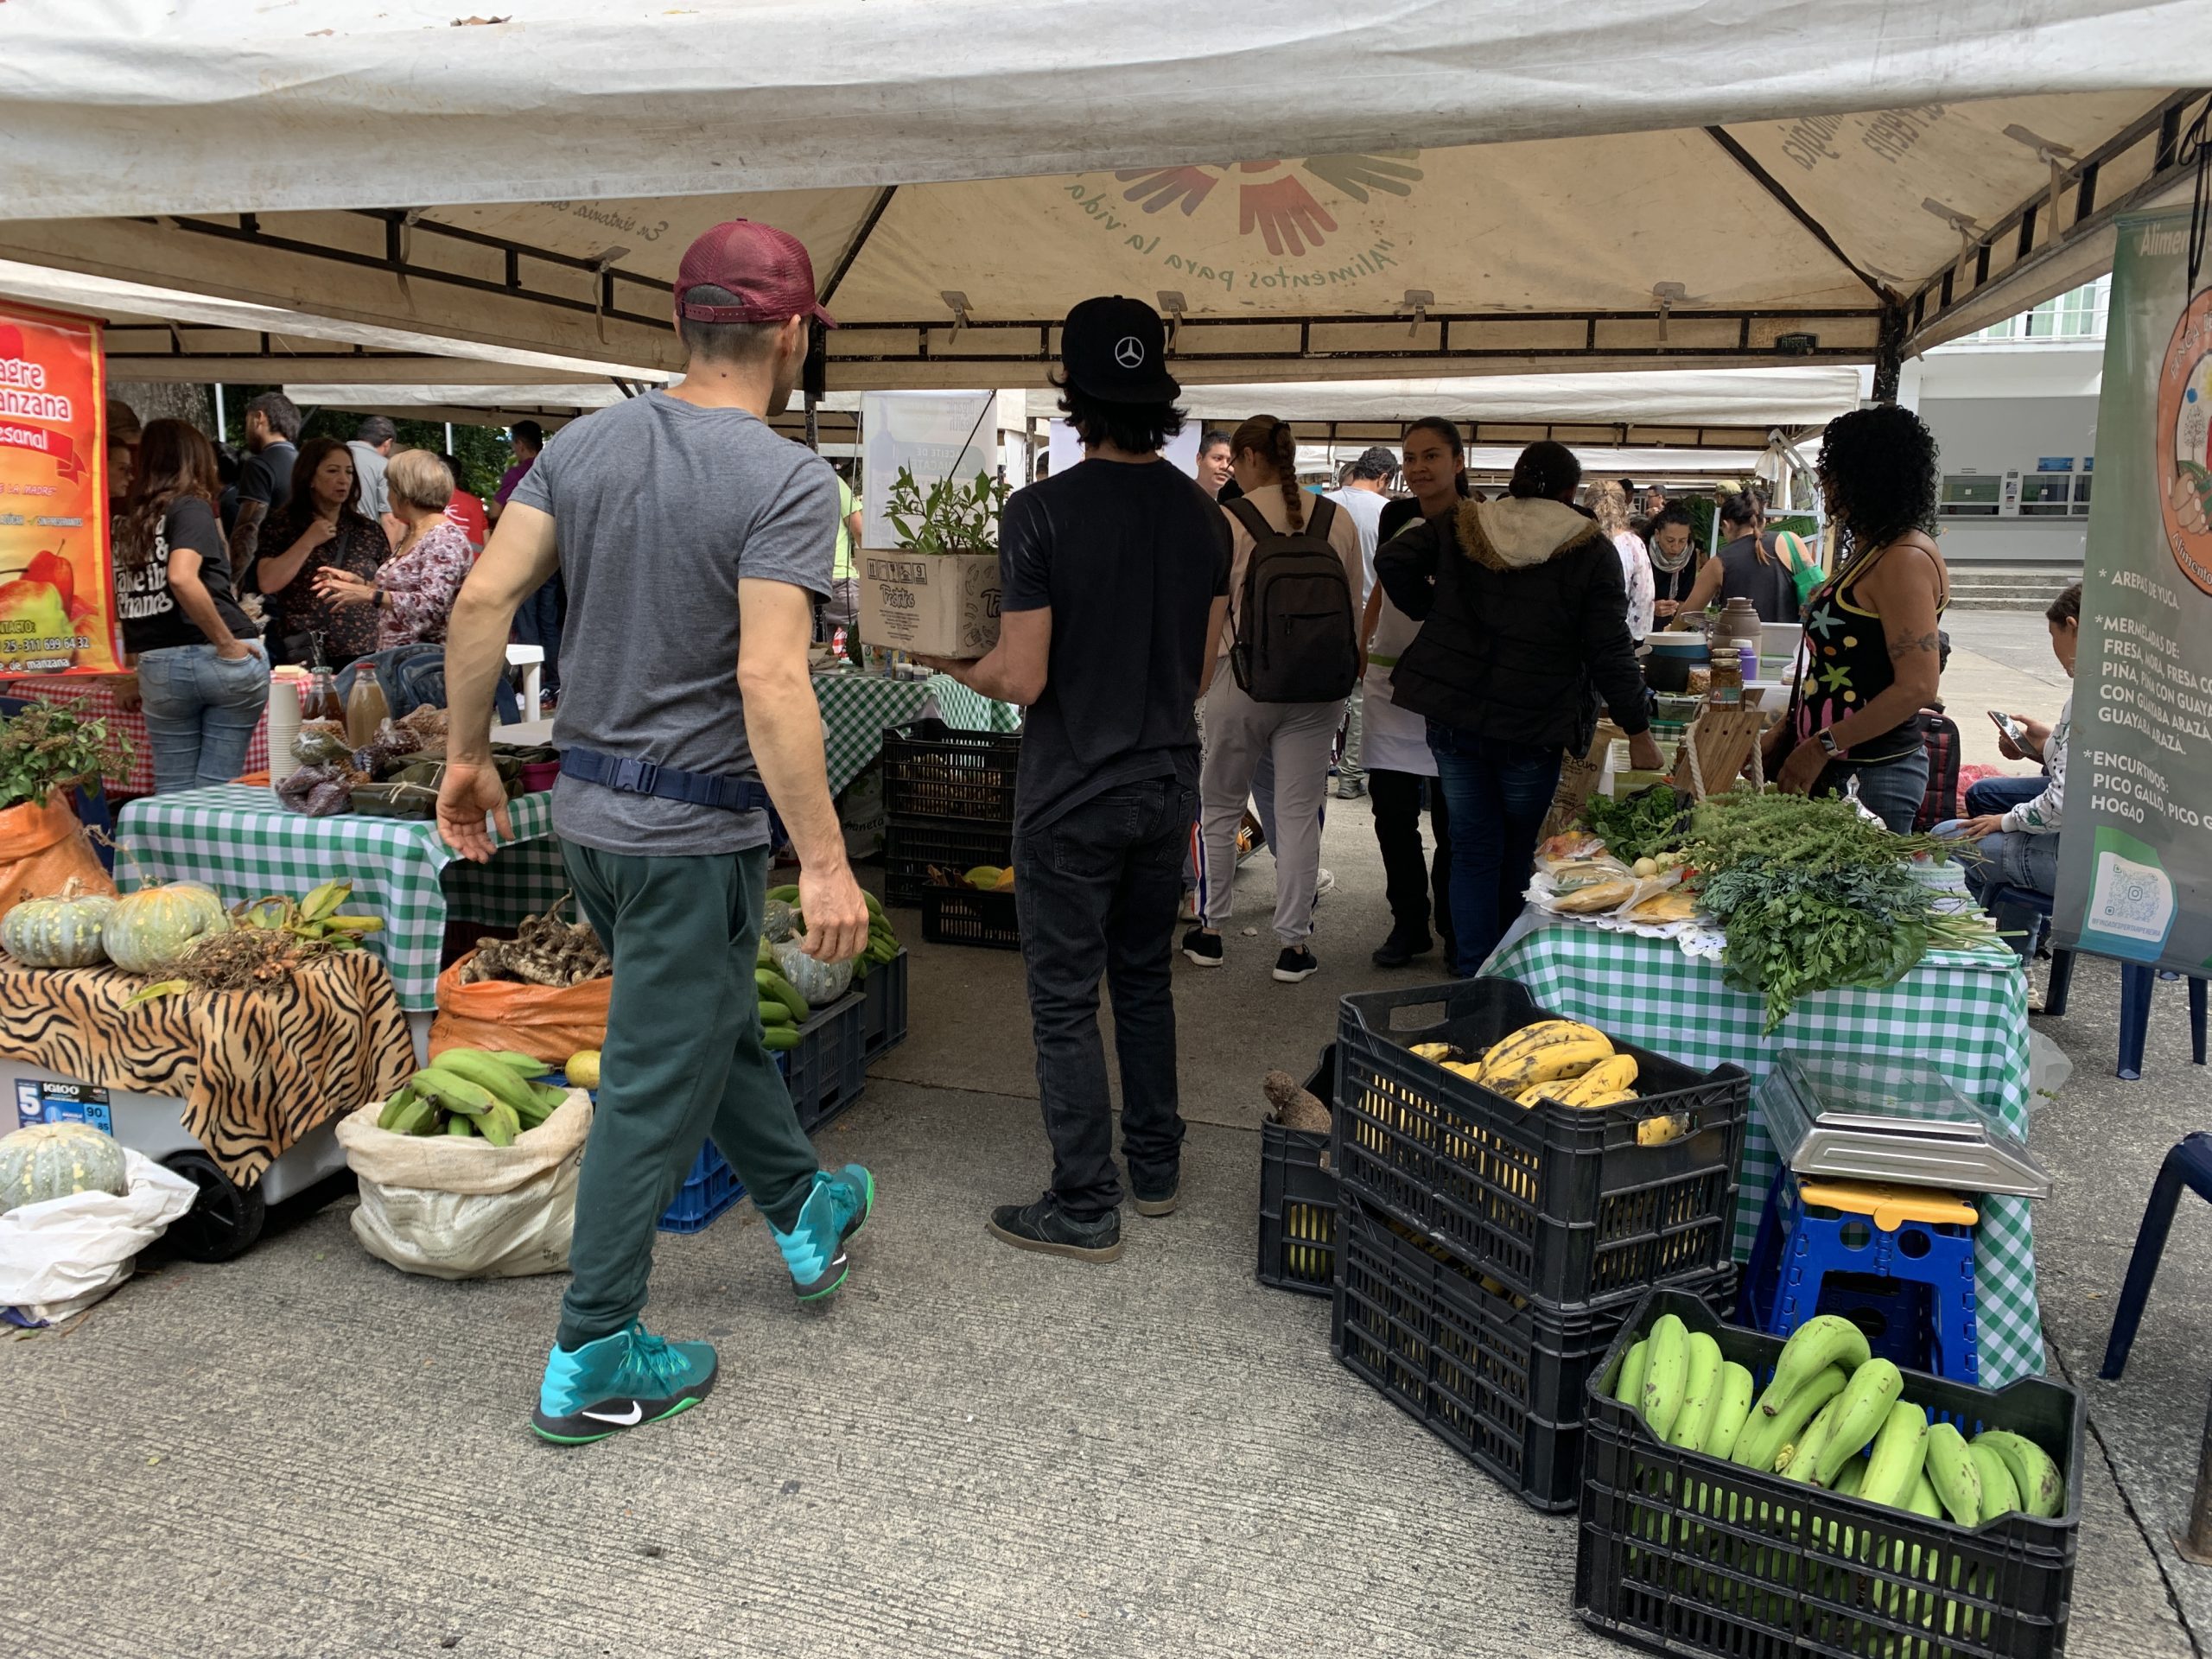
(152,620)
(1130,558)
(267,476)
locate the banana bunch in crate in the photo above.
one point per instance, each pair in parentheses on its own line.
(467,1091)
(1564,1061)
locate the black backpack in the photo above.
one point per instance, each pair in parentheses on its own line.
(1297,618)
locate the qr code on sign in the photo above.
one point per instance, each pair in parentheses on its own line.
(2134,900)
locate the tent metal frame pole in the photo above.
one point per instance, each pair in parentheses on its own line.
(845,260)
(1820,233)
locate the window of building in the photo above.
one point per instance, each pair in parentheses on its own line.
(2078,315)
(2045,495)
(1970,495)
(2081,495)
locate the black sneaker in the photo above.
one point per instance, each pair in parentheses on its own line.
(1296,963)
(1203,948)
(1155,1197)
(1401,947)
(1043,1226)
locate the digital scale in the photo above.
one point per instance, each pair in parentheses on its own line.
(1898,1123)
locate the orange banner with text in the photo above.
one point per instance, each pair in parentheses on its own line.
(57,584)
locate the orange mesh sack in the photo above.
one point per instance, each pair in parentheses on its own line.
(547,1022)
(40,847)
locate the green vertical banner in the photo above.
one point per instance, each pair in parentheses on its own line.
(2136,851)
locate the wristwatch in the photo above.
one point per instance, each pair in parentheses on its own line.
(1826,739)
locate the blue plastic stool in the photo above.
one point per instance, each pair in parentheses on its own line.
(2189,1164)
(2136,980)
(1814,1259)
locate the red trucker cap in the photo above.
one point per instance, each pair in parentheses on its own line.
(766,269)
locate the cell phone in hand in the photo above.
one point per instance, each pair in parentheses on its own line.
(2010,727)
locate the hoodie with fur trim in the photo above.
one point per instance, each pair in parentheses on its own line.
(1524,623)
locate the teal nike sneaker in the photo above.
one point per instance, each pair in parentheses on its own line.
(814,1249)
(618,1382)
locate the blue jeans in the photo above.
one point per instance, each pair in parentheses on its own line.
(1095,892)
(538,621)
(1994,795)
(1495,793)
(2010,859)
(200,712)
(1892,790)
(412,676)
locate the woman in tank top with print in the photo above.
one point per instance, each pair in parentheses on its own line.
(1871,654)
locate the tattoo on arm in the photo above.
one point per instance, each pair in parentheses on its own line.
(1930,642)
(246,540)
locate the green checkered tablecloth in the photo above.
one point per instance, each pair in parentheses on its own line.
(856,707)
(1964,1011)
(240,841)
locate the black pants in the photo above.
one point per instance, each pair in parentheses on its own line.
(1096,891)
(1408,881)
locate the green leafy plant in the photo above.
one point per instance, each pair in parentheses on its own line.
(951,517)
(46,749)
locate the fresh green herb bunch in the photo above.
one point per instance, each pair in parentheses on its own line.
(952,517)
(46,749)
(1638,826)
(1821,835)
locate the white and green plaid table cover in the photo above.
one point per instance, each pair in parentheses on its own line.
(1967,1013)
(856,707)
(239,841)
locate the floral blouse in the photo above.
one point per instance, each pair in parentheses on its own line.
(419,587)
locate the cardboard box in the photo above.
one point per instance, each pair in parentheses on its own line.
(937,604)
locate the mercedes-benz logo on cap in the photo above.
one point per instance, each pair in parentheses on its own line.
(1128,352)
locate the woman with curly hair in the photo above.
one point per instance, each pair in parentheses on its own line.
(1873,654)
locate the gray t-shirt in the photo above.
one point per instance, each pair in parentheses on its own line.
(368,466)
(661,506)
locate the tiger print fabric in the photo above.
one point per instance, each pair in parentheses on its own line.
(257,1070)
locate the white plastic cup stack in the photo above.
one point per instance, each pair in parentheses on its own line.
(284,727)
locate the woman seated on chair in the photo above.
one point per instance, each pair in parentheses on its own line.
(2020,846)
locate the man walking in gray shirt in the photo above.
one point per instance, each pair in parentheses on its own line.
(371,450)
(694,542)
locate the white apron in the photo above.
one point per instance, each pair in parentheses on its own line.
(1390,738)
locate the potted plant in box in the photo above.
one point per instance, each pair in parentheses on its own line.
(44,754)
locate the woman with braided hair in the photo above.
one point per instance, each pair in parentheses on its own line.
(1297,737)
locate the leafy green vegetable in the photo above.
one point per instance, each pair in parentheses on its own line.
(1636,826)
(46,749)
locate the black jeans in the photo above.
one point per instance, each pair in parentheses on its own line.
(1409,881)
(1499,791)
(1096,891)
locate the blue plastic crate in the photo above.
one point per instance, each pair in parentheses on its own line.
(711,1188)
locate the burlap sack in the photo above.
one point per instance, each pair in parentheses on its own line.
(446,1163)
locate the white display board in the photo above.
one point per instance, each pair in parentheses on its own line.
(933,435)
(1182,450)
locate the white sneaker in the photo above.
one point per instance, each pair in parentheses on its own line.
(1324,883)
(1189,910)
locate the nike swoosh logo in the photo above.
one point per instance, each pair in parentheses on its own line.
(635,1415)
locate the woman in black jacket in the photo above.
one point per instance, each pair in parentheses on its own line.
(1524,627)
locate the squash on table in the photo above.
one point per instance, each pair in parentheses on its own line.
(777,924)
(149,929)
(52,1160)
(62,932)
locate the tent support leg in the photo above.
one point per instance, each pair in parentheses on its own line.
(1889,354)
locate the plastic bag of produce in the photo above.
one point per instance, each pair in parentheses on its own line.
(41,846)
(452,1208)
(547,1022)
(58,1257)
(317,792)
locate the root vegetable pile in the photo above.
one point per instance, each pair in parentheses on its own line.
(546,950)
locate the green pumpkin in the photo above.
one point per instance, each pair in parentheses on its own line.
(777,924)
(149,929)
(62,932)
(52,1160)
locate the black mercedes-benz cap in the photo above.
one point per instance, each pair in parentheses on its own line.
(1116,349)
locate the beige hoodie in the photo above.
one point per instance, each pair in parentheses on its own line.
(1510,534)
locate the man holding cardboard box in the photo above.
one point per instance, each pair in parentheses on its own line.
(1114,580)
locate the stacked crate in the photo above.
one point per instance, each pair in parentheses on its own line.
(948,801)
(1487,1253)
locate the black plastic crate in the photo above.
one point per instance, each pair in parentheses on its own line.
(828,1070)
(1686,1553)
(1297,1198)
(932,770)
(883,1013)
(960,916)
(1495,1376)
(1558,1202)
(912,847)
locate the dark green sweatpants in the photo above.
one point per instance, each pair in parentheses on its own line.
(683,1061)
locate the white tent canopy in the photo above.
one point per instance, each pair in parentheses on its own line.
(1445,186)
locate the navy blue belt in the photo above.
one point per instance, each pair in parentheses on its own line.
(635,777)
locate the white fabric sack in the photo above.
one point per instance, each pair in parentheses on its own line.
(465,1209)
(58,1257)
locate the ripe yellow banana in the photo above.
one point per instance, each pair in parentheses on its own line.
(1609,1077)
(1657,1131)
(1529,1039)
(1569,1057)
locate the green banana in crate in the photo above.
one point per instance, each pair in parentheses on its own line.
(500,1081)
(1851,1479)
(1824,1340)
(1861,1409)
(2000,1493)
(1628,1387)
(1800,1461)
(789,895)
(402,1098)
(1763,1437)
(773,1013)
(2042,1487)
(1950,1469)
(1701,1394)
(1666,1374)
(1732,1410)
(458,1125)
(776,1038)
(1900,1453)
(772,983)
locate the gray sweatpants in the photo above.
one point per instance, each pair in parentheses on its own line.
(1297,737)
